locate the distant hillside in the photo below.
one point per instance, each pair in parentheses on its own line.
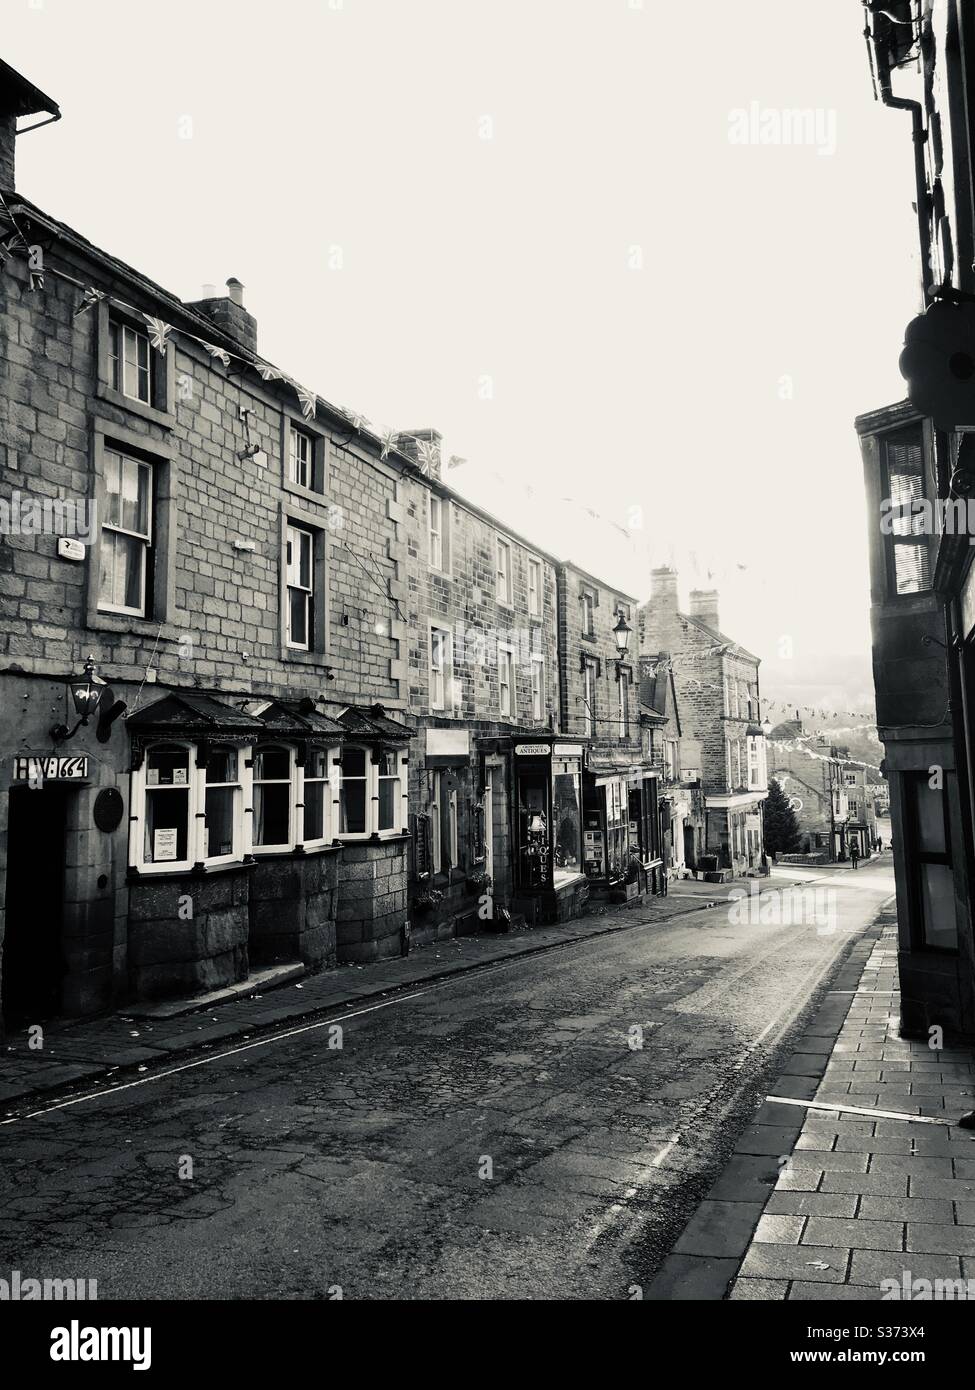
(837,685)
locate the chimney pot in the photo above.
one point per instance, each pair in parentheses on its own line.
(209,292)
(236,290)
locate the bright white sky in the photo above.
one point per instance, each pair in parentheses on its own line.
(357,124)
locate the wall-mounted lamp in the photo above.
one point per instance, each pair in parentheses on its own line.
(86,695)
(621,634)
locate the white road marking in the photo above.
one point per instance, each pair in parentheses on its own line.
(213,1057)
(859,1110)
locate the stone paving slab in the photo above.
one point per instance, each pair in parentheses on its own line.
(851,1200)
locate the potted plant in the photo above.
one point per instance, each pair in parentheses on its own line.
(427,900)
(479,883)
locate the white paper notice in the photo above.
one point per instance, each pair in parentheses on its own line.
(164,844)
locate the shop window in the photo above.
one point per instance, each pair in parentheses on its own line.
(617,829)
(904,513)
(273,783)
(126,536)
(222,819)
(567,815)
(927,847)
(167,806)
(315,815)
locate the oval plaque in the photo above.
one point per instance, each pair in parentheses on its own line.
(108,809)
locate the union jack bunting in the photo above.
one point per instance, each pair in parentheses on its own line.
(216,352)
(91,296)
(159,332)
(309,401)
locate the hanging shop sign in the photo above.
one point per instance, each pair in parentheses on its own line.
(50,767)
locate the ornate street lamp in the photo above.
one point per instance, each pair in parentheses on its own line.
(86,695)
(621,633)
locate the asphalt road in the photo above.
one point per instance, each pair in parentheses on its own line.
(496,1135)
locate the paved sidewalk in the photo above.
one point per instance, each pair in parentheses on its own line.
(79,1054)
(826,1203)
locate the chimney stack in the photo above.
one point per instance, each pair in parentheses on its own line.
(704,607)
(227,313)
(663,588)
(18,97)
(427,458)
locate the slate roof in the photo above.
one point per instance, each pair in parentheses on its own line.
(18,97)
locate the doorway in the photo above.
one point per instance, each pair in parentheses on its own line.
(33,957)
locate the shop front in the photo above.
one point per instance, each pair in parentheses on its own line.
(622,830)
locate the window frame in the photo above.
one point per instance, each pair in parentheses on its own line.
(538,687)
(507,649)
(503,546)
(915,858)
(160,408)
(590,673)
(372,754)
(437,635)
(139,792)
(316,653)
(144,468)
(890,541)
(624,681)
(536,588)
(319,462)
(282,846)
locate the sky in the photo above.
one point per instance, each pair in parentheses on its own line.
(542,227)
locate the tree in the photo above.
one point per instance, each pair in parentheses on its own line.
(781,827)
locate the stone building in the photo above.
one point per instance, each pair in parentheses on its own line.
(919,474)
(484,697)
(228,549)
(810,772)
(600,705)
(679,760)
(718,688)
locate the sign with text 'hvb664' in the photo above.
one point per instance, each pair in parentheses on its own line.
(52,767)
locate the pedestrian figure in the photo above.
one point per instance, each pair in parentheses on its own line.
(855,853)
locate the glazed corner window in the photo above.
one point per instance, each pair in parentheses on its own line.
(588,613)
(538,688)
(506,681)
(904,514)
(222,828)
(315,814)
(126,536)
(167,816)
(272,798)
(130,362)
(535,588)
(388,790)
(503,589)
(300,576)
(439,667)
(928,856)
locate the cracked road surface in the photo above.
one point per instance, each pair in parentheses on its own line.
(492,1136)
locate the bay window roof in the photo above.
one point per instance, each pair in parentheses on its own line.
(190,714)
(372,723)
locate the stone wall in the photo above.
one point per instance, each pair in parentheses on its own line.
(188,934)
(372,899)
(293,901)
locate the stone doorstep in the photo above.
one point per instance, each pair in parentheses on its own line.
(257,982)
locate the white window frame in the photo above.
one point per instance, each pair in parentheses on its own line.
(372,793)
(283,846)
(439,534)
(538,689)
(138,809)
(624,703)
(396,776)
(440,654)
(534,587)
(237,850)
(589,698)
(120,334)
(506,662)
(297,461)
(144,469)
(436,827)
(293,535)
(328,784)
(503,581)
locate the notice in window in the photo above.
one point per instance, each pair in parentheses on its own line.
(164,844)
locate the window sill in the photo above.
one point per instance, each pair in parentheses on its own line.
(307,494)
(133,626)
(303,658)
(164,418)
(136,875)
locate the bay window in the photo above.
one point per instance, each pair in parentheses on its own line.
(222,819)
(272,783)
(315,816)
(389,789)
(167,805)
(904,513)
(372,795)
(353,801)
